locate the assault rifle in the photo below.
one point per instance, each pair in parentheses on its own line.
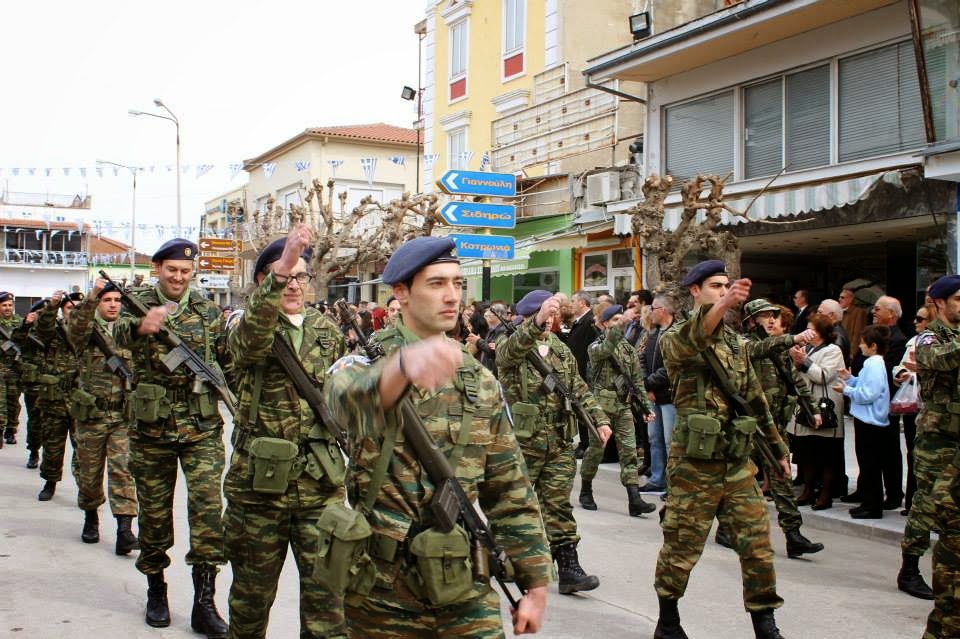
(623,382)
(180,353)
(553,383)
(8,344)
(806,414)
(742,408)
(449,504)
(114,361)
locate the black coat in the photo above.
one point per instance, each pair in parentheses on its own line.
(800,322)
(656,380)
(895,351)
(581,335)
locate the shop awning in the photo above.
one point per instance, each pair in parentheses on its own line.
(498,268)
(795,200)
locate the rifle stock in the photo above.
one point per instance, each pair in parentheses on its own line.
(114,362)
(449,503)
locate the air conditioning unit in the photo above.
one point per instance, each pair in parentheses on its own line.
(603,187)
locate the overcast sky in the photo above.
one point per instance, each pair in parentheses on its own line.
(240,76)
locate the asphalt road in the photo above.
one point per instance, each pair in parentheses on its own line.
(53,586)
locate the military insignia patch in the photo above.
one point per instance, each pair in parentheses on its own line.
(349,360)
(926,339)
(188,251)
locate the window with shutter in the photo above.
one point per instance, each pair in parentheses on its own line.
(700,137)
(763,129)
(808,118)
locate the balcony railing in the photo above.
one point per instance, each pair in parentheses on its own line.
(29,257)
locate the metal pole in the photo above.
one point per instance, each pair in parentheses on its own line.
(133,230)
(179,213)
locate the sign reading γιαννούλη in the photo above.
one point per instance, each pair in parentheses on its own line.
(457,182)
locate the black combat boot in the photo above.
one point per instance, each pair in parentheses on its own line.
(33,460)
(635,503)
(126,540)
(909,579)
(798,545)
(46,493)
(723,537)
(158,611)
(205,619)
(764,627)
(586,495)
(10,436)
(668,625)
(91,527)
(572,576)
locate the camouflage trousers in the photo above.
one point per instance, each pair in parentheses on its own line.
(257,538)
(57,426)
(944,620)
(552,467)
(3,403)
(153,464)
(105,446)
(625,437)
(932,453)
(371,618)
(11,394)
(34,418)
(781,487)
(700,491)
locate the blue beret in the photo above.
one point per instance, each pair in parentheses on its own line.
(273,252)
(38,305)
(412,256)
(610,311)
(5,297)
(532,301)
(703,270)
(945,287)
(175,249)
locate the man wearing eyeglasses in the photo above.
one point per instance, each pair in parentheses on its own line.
(801,299)
(266,514)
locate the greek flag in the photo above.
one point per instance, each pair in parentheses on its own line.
(202,169)
(399,160)
(429,160)
(32,172)
(66,173)
(485,161)
(369,166)
(334,164)
(83,171)
(302,165)
(269,168)
(465,157)
(235,169)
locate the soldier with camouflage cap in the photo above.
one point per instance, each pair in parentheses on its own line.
(709,470)
(266,515)
(545,426)
(936,503)
(56,382)
(464,411)
(611,358)
(176,422)
(766,341)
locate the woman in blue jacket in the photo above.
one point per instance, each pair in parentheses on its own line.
(869,396)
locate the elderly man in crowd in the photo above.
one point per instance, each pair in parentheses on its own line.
(833,310)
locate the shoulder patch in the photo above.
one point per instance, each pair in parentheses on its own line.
(926,339)
(347,361)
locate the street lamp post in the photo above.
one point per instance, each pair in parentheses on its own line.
(133,218)
(172,118)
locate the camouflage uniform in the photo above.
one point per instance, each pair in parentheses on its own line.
(489,468)
(761,349)
(615,403)
(260,526)
(546,437)
(57,380)
(103,440)
(938,441)
(722,487)
(29,366)
(190,434)
(10,371)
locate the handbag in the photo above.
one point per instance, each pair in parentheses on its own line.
(907,400)
(826,407)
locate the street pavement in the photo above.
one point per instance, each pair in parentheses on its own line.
(53,586)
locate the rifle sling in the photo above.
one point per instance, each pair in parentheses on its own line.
(293,367)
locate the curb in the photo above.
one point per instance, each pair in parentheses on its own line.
(888,530)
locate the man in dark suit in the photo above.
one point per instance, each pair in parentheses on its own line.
(801,299)
(582,334)
(886,312)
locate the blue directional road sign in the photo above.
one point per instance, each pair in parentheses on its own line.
(479,183)
(486,247)
(499,216)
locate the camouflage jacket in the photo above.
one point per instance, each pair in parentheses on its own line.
(275,409)
(938,371)
(9,358)
(200,326)
(603,378)
(58,372)
(95,376)
(521,383)
(762,349)
(681,346)
(490,468)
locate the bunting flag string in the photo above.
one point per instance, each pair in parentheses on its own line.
(302,165)
(334,165)
(485,161)
(399,160)
(369,166)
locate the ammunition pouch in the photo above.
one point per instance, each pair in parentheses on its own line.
(787,412)
(82,405)
(524,419)
(203,404)
(49,387)
(703,436)
(741,435)
(271,462)
(324,458)
(28,372)
(609,401)
(150,403)
(442,568)
(343,561)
